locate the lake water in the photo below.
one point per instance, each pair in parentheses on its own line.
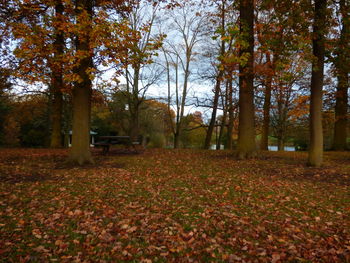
(271,148)
(286,148)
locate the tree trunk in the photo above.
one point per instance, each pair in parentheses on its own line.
(264,144)
(213,114)
(56,117)
(135,106)
(178,106)
(224,117)
(230,114)
(246,130)
(280,143)
(217,86)
(342,69)
(341,111)
(57,82)
(318,45)
(176,140)
(82,91)
(134,123)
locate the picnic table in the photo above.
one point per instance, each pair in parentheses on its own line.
(106,141)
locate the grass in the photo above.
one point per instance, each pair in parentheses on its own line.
(173,205)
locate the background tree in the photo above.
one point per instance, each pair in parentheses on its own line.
(188,25)
(39,29)
(219,73)
(140,72)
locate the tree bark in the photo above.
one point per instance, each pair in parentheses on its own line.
(246,130)
(264,144)
(224,117)
(342,70)
(280,143)
(56,117)
(135,106)
(57,81)
(318,45)
(341,111)
(82,91)
(213,114)
(230,114)
(217,86)
(178,112)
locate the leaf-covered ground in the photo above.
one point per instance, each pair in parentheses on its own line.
(173,206)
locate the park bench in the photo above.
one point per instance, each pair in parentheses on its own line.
(105,142)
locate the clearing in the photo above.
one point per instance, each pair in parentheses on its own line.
(173,205)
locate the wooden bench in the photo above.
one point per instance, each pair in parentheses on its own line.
(105,142)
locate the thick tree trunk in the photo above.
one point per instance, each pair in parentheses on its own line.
(318,44)
(176,140)
(57,82)
(342,69)
(246,130)
(280,143)
(134,123)
(56,118)
(82,91)
(80,150)
(264,144)
(341,111)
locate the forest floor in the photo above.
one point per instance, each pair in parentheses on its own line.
(173,206)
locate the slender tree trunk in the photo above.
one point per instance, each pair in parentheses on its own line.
(224,117)
(82,91)
(169,94)
(246,129)
(217,86)
(280,120)
(230,114)
(178,111)
(342,69)
(213,114)
(57,82)
(135,106)
(267,105)
(318,45)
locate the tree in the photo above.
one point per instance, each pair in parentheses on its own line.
(139,73)
(38,28)
(342,70)
(188,24)
(246,130)
(57,84)
(218,79)
(5,103)
(82,90)
(318,47)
